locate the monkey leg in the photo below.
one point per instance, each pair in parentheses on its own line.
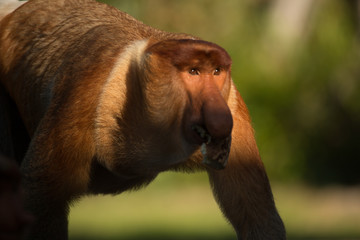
(55,172)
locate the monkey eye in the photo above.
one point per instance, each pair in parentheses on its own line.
(217,71)
(194,71)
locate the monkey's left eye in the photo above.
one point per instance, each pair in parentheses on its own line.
(217,71)
(194,71)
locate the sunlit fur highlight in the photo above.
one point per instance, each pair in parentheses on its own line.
(112,99)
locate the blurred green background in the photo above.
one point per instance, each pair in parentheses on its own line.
(297,65)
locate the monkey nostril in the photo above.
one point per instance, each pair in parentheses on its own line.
(202,133)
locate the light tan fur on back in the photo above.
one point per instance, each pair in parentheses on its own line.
(7,6)
(113,97)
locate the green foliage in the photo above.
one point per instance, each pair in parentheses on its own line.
(303,94)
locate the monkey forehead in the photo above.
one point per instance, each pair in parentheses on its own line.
(188,53)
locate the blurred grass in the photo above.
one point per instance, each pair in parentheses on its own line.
(300,82)
(183,209)
(180,206)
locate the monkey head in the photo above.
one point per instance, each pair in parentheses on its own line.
(203,71)
(175,102)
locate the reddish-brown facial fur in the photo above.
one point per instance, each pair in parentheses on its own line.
(108,103)
(204,69)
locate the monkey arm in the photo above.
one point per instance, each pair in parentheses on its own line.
(242,189)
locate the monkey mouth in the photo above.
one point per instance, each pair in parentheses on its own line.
(215,151)
(202,133)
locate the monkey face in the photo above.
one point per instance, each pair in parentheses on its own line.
(203,71)
(162,103)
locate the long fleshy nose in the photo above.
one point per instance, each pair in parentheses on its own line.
(217,117)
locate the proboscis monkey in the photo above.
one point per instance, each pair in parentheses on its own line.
(108,103)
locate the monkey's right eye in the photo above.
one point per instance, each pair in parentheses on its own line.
(194,71)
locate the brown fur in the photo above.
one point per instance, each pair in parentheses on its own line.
(109,102)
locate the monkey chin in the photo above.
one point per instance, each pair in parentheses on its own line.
(216,153)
